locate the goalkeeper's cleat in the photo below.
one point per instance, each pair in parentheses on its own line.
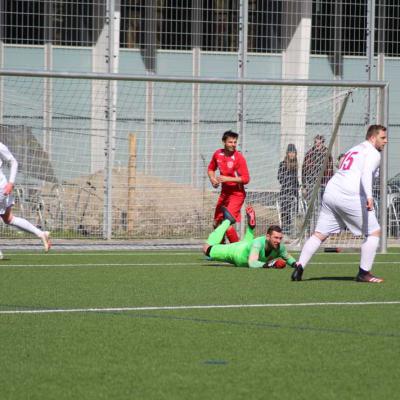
(297,274)
(46,241)
(368,278)
(251,217)
(227,215)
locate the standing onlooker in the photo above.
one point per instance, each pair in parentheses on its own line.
(289,193)
(7,199)
(233,176)
(348,203)
(312,165)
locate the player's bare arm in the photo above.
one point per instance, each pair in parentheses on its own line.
(213,179)
(236,179)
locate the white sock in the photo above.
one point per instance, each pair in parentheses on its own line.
(26,226)
(308,250)
(368,251)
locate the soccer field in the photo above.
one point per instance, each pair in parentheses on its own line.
(171,325)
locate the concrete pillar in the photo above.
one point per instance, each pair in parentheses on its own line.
(296,33)
(105,58)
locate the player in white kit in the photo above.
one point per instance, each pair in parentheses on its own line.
(7,199)
(348,202)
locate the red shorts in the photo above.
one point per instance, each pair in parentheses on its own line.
(233,202)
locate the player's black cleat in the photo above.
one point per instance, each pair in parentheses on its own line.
(368,278)
(228,215)
(297,274)
(251,217)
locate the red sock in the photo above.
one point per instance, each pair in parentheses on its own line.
(232,235)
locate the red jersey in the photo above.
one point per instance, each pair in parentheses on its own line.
(234,166)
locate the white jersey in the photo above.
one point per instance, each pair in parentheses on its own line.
(355,174)
(5,155)
(344,201)
(6,201)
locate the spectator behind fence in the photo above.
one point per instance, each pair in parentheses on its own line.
(312,165)
(289,193)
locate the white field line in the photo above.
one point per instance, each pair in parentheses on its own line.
(157,253)
(200,307)
(80,265)
(131,253)
(174,264)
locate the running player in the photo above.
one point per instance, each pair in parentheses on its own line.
(7,199)
(232,178)
(348,202)
(262,252)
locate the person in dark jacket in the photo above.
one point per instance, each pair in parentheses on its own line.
(289,193)
(312,165)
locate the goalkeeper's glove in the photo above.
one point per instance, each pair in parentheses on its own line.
(278,263)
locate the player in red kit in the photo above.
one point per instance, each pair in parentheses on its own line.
(233,175)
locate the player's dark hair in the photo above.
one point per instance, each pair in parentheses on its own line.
(229,134)
(274,228)
(373,130)
(340,156)
(319,137)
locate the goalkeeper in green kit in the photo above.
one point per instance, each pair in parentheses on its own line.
(261,252)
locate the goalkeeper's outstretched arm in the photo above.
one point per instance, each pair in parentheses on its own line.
(254,255)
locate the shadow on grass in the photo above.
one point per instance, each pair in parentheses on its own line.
(260,325)
(331,278)
(217,264)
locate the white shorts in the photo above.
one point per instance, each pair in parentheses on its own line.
(5,201)
(338,212)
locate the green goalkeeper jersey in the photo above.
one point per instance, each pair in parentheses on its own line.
(238,253)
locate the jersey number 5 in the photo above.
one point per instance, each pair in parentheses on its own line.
(347,160)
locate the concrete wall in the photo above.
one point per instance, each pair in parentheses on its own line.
(171,137)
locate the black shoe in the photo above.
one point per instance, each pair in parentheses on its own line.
(368,278)
(298,272)
(227,215)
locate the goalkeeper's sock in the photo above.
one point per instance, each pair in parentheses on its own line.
(232,235)
(24,225)
(216,236)
(249,234)
(308,250)
(368,251)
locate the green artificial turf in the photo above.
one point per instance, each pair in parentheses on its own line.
(279,340)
